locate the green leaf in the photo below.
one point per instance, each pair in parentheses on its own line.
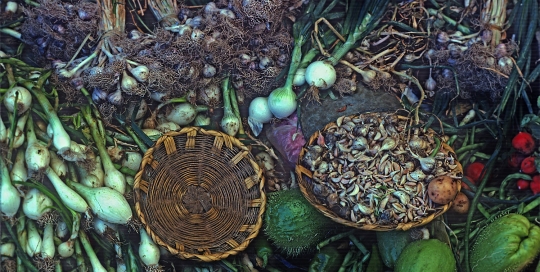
(532,122)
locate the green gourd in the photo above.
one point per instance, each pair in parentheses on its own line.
(509,243)
(391,243)
(293,224)
(429,255)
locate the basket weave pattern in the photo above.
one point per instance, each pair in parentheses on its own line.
(200,194)
(307,187)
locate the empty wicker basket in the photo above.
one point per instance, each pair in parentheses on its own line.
(200,194)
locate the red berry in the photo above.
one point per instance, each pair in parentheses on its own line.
(474,170)
(528,166)
(523,142)
(515,160)
(535,184)
(522,184)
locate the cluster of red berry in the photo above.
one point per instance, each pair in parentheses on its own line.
(524,159)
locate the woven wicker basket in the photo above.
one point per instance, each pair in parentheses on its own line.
(305,180)
(200,194)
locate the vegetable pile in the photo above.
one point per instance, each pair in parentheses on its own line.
(87,86)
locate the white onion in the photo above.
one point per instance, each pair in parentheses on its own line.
(259,113)
(23,97)
(299,77)
(148,250)
(69,197)
(321,74)
(62,230)
(140,73)
(282,102)
(47,245)
(128,83)
(132,160)
(3,131)
(182,114)
(10,198)
(168,126)
(37,155)
(11,7)
(36,204)
(33,245)
(108,204)
(18,171)
(66,249)
(7,249)
(58,165)
(19,135)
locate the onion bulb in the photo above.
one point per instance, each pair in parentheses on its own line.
(33,245)
(19,137)
(259,113)
(108,204)
(10,199)
(36,204)
(148,250)
(128,83)
(168,126)
(3,131)
(18,171)
(230,123)
(19,95)
(132,160)
(182,114)
(47,245)
(321,74)
(66,249)
(69,197)
(58,165)
(37,155)
(201,120)
(282,102)
(140,73)
(299,77)
(7,249)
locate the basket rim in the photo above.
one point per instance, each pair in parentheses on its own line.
(303,172)
(229,141)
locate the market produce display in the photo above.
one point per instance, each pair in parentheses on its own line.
(448,180)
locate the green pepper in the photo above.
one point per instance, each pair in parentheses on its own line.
(328,259)
(509,243)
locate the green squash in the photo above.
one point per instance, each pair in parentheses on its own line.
(293,224)
(509,243)
(391,243)
(429,255)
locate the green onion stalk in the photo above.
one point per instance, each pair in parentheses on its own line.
(113,15)
(282,101)
(61,139)
(367,19)
(494,15)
